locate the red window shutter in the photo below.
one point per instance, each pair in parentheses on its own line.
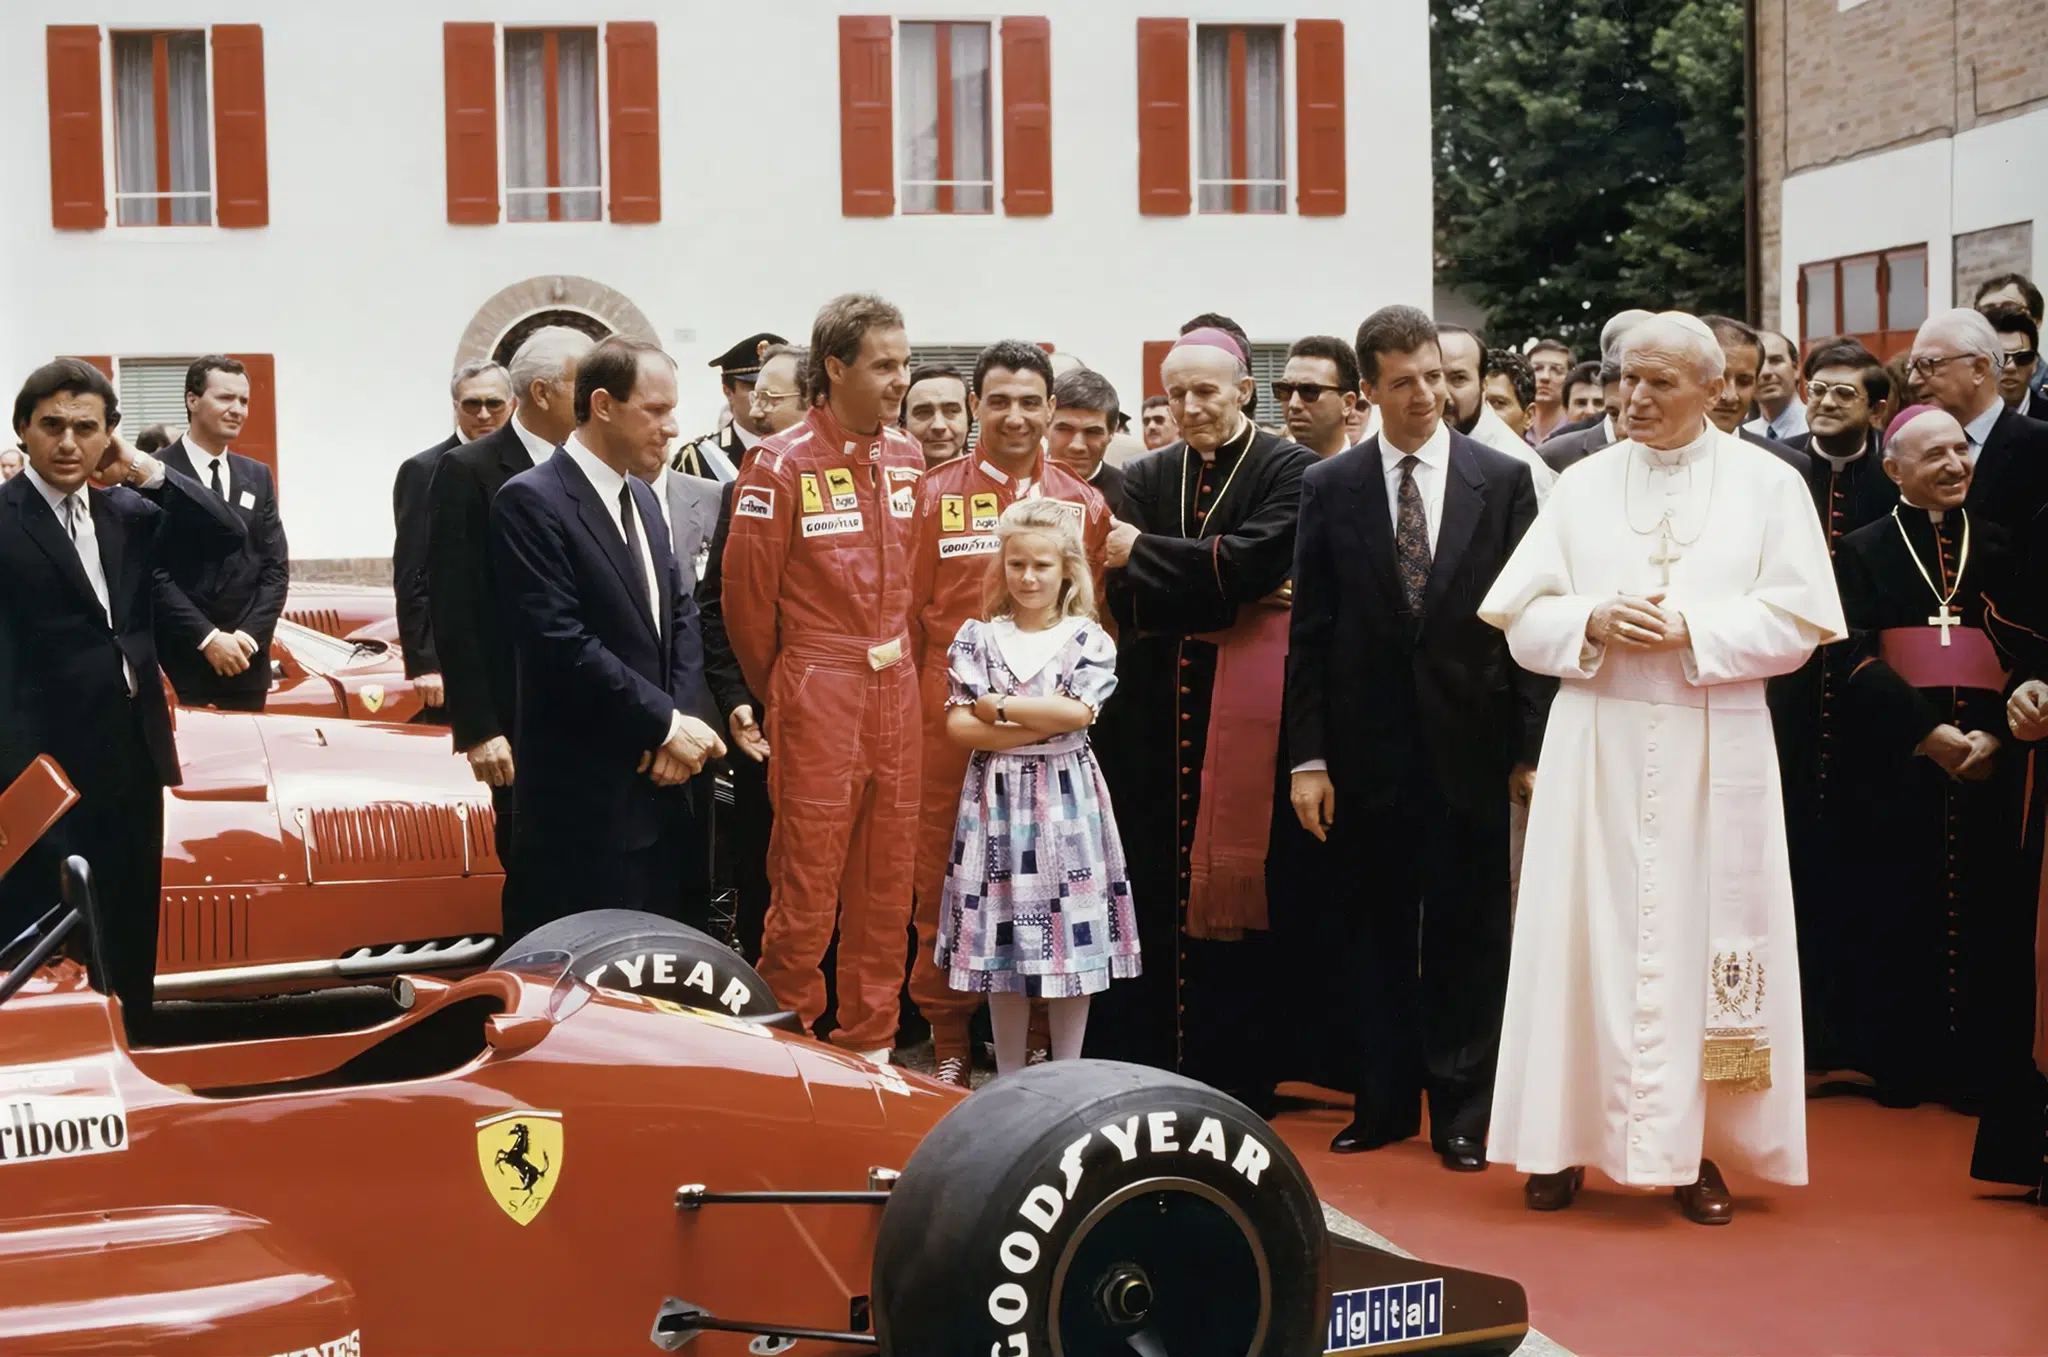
(1155,354)
(1319,115)
(867,162)
(239,141)
(635,110)
(78,173)
(259,430)
(470,89)
(1027,117)
(1163,117)
(104,362)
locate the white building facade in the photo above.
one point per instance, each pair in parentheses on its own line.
(359,197)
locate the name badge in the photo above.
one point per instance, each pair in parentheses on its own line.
(246,499)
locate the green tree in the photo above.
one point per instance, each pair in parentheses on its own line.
(1588,159)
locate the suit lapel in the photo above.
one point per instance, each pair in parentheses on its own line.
(1463,484)
(40,525)
(599,523)
(1369,494)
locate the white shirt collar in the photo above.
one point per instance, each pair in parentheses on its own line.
(603,479)
(460,436)
(747,440)
(538,448)
(52,496)
(1607,424)
(1434,453)
(200,457)
(1813,446)
(1979,428)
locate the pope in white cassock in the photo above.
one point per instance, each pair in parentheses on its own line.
(1653,999)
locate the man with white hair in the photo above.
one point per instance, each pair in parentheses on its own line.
(1573,442)
(1653,997)
(477,665)
(1955,364)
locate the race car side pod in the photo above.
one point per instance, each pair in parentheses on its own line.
(678,1322)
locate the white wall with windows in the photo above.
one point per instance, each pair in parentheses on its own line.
(362,289)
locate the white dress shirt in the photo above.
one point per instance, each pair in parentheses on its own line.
(74,516)
(1979,429)
(204,463)
(608,483)
(1789,424)
(1433,464)
(538,448)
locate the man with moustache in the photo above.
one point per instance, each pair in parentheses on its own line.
(1199,565)
(1550,359)
(1084,416)
(610,662)
(1464,360)
(1928,775)
(1159,428)
(937,411)
(471,632)
(481,394)
(958,505)
(215,615)
(1317,392)
(779,402)
(817,605)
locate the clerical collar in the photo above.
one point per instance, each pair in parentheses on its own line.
(1837,463)
(1934,516)
(1676,457)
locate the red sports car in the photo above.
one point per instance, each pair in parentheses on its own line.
(362,677)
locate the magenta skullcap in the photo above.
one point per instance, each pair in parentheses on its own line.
(1907,416)
(1208,336)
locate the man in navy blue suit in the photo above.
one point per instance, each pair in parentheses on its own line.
(610,659)
(82,531)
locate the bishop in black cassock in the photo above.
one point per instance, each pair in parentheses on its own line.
(1929,793)
(1845,474)
(1214,519)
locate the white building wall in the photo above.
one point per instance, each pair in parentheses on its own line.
(361,289)
(1930,192)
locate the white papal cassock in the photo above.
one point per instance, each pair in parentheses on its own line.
(1657,819)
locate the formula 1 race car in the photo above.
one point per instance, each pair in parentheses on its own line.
(314,674)
(529,1161)
(346,612)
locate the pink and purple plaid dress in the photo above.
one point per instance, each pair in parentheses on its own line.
(1037,899)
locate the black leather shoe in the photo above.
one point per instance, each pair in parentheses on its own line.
(1362,1135)
(1553,1191)
(1462,1154)
(1706,1202)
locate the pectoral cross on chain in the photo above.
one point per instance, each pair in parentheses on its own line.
(1945,617)
(1665,557)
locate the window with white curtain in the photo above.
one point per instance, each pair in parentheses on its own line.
(551,138)
(163,152)
(943,99)
(1241,95)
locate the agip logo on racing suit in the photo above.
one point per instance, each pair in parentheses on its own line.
(520,1154)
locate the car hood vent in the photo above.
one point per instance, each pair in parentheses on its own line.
(374,842)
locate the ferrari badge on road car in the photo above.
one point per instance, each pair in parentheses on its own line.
(520,1154)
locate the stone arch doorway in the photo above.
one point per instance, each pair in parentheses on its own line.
(512,313)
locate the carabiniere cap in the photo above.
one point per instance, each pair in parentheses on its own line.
(744,358)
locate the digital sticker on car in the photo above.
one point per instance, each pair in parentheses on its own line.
(349,1344)
(52,1112)
(1373,1316)
(520,1154)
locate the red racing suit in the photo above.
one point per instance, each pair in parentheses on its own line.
(817,605)
(958,506)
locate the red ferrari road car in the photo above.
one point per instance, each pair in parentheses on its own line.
(315,674)
(529,1161)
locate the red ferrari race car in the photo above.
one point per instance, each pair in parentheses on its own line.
(361,677)
(344,611)
(527,1161)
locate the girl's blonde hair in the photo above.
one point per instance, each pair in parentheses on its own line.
(1062,523)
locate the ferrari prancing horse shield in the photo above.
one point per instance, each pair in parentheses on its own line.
(520,1154)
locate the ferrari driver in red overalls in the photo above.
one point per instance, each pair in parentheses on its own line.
(817,600)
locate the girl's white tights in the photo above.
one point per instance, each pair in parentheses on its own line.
(1010,1015)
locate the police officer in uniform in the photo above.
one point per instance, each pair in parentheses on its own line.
(716,455)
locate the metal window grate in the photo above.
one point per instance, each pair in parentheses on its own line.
(1269,361)
(152,391)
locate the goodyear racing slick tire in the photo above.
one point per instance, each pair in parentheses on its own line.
(1085,1208)
(652,955)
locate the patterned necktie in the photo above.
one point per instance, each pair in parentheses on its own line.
(1411,538)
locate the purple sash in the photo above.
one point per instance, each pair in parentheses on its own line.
(1917,655)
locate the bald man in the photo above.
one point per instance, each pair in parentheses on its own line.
(1930,931)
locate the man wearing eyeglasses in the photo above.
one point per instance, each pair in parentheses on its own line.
(715,456)
(2022,340)
(481,394)
(1955,364)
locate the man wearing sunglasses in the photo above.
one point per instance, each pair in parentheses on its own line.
(1955,364)
(1317,392)
(481,394)
(2022,340)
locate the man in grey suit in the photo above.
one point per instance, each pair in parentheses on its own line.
(690,504)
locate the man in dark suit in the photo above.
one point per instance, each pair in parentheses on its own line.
(690,504)
(1956,360)
(1085,408)
(611,665)
(1742,353)
(215,616)
(481,392)
(470,635)
(78,658)
(1406,721)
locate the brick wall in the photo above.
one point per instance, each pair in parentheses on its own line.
(1835,83)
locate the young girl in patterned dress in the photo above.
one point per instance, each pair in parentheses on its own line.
(1037,901)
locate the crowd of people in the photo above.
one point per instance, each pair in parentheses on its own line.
(1586,754)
